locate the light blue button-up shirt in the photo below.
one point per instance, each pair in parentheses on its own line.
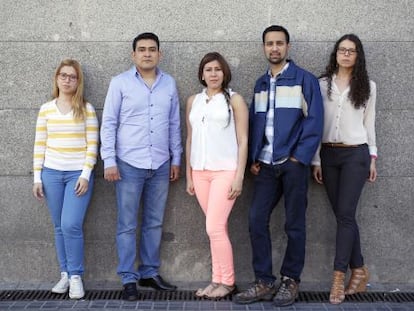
(141,125)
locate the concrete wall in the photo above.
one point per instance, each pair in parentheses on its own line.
(36,35)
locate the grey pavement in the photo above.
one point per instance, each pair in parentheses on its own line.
(109,305)
(191,304)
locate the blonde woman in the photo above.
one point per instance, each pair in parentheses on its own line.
(65,153)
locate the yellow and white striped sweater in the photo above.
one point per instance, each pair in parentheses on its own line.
(63,143)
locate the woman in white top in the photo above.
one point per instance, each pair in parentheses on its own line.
(64,155)
(347,155)
(216,153)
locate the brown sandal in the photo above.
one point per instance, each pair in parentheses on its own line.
(206,292)
(358,281)
(221,291)
(337,294)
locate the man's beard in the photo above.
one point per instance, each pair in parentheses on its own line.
(277,61)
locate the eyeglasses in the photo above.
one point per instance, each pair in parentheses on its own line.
(63,76)
(345,50)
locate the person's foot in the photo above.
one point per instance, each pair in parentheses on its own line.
(257,292)
(206,292)
(76,290)
(157,283)
(62,286)
(221,291)
(130,292)
(358,281)
(337,295)
(287,292)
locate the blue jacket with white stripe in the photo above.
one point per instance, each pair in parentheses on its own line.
(298,119)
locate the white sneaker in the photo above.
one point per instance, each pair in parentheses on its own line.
(76,290)
(62,286)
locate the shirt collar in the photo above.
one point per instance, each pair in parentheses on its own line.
(285,67)
(158,72)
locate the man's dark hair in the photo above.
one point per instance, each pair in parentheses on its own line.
(276,28)
(146,36)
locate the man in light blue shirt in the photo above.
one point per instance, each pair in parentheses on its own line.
(141,148)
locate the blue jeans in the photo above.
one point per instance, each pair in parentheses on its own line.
(150,186)
(67,211)
(291,180)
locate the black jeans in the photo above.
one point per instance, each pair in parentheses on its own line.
(344,172)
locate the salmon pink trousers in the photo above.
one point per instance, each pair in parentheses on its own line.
(212,189)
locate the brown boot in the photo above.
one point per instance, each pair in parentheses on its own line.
(337,294)
(358,281)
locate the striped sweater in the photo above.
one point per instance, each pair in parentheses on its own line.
(63,143)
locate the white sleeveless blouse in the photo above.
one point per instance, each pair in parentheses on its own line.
(214,142)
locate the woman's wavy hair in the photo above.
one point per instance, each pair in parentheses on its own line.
(210,57)
(359,84)
(78,101)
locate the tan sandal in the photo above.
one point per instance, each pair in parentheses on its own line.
(206,292)
(337,294)
(222,291)
(358,281)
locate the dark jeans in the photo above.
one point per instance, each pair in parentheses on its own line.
(344,172)
(291,180)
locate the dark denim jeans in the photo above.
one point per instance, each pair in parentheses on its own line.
(289,179)
(150,187)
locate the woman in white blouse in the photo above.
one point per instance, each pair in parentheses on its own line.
(347,155)
(216,153)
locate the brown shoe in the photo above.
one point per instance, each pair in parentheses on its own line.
(287,293)
(257,292)
(358,281)
(337,294)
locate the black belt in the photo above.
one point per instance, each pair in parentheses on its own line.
(340,145)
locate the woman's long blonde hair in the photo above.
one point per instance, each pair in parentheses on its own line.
(78,101)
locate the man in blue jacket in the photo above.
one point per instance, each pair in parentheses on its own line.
(286,122)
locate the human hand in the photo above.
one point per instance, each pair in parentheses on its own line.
(317,174)
(174,172)
(190,187)
(81,186)
(372,171)
(255,168)
(235,190)
(38,191)
(293,159)
(112,174)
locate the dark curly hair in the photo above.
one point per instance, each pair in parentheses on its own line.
(360,88)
